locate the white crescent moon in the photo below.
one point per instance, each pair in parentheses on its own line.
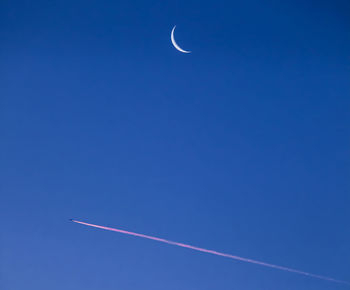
(175,44)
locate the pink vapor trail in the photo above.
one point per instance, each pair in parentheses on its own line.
(214,252)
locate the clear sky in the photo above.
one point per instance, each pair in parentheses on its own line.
(241,146)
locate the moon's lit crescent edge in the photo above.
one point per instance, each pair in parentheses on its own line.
(175,44)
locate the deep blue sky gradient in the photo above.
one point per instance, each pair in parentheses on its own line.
(241,146)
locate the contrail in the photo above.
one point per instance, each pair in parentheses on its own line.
(213,252)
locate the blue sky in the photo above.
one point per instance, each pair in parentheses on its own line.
(241,146)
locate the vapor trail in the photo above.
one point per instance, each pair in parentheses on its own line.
(214,252)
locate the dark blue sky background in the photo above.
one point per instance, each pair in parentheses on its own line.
(241,146)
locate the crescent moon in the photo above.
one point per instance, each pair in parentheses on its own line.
(175,44)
